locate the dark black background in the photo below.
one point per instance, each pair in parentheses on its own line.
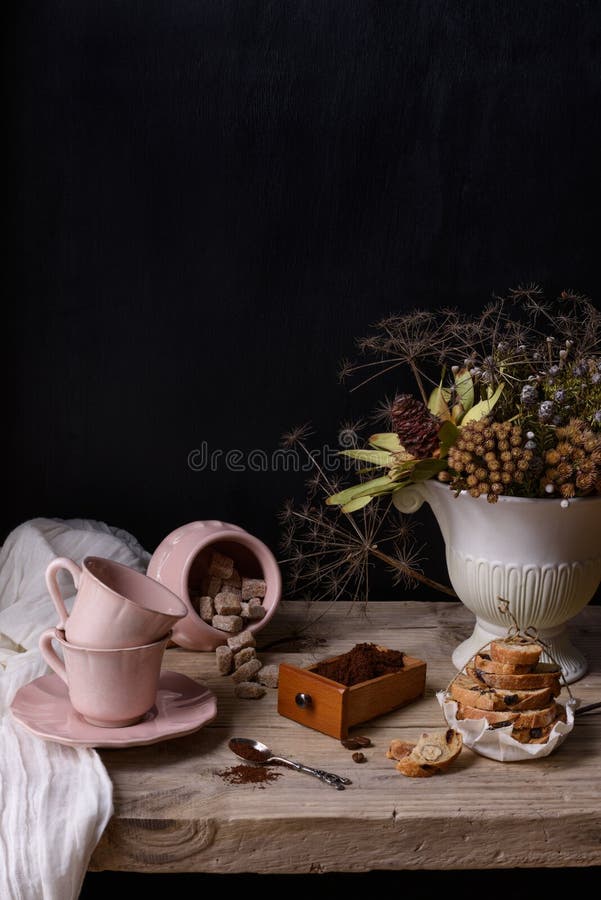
(209,200)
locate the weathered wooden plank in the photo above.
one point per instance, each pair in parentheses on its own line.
(332,844)
(174,813)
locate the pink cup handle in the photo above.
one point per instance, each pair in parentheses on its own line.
(52,584)
(50,655)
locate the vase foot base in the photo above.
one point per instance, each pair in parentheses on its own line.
(573,664)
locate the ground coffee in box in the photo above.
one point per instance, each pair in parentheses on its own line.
(362,663)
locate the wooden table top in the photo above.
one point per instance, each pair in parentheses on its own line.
(175,813)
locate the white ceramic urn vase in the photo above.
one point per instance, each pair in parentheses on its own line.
(541,556)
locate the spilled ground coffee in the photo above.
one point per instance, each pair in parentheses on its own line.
(249,775)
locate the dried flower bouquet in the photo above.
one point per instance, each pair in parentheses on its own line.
(516,410)
(506,402)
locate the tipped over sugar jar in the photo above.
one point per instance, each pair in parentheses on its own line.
(228,579)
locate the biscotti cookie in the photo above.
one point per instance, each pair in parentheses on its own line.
(533,718)
(517,651)
(486,664)
(432,755)
(472,692)
(399,749)
(545,675)
(538,735)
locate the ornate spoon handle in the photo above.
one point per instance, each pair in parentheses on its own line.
(337,781)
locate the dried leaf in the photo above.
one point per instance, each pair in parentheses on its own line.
(437,403)
(359,503)
(375,457)
(386,441)
(483,408)
(447,436)
(426,468)
(359,490)
(465,388)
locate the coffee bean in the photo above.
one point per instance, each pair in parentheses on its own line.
(359,757)
(357,742)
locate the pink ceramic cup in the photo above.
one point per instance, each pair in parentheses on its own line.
(115,606)
(109,688)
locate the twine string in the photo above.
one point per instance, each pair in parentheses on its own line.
(515,635)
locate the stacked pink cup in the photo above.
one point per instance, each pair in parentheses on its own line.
(113,640)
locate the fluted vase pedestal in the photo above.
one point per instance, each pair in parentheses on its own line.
(541,557)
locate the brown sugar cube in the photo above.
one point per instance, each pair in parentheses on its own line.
(211,586)
(249,612)
(253,587)
(243,656)
(269,676)
(253,613)
(220,565)
(227,604)
(224,657)
(242,640)
(249,690)
(205,608)
(231,624)
(234,581)
(247,671)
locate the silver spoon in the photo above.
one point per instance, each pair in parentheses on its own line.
(255,751)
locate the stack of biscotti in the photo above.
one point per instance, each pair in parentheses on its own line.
(507,685)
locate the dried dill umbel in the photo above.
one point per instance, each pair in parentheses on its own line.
(330,555)
(542,350)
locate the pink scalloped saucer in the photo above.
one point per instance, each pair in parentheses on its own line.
(182,706)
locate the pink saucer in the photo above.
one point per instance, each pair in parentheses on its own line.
(182,706)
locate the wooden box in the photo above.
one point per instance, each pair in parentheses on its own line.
(333,708)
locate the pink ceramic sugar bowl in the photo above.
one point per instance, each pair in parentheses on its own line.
(181,563)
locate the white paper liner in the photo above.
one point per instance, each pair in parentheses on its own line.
(497,743)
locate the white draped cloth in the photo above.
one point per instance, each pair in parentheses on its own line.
(55,800)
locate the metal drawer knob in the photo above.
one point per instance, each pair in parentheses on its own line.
(303,700)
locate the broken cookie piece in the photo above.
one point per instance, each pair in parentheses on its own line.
(431,755)
(399,749)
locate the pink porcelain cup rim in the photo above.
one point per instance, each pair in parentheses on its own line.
(240,537)
(59,635)
(132,572)
(233,534)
